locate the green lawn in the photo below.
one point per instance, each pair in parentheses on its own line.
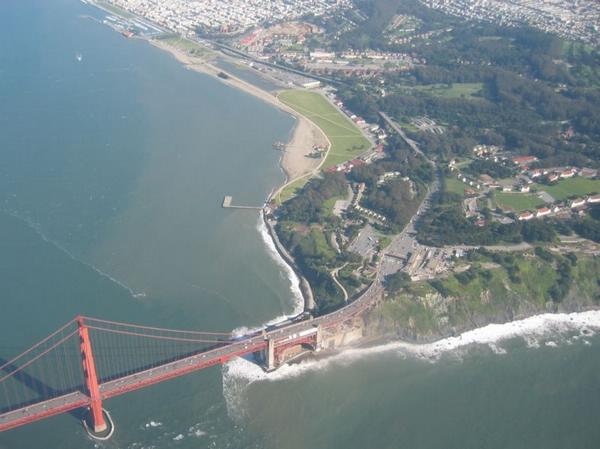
(186,45)
(291,190)
(517,201)
(329,204)
(576,186)
(454,185)
(347,141)
(464,163)
(457,90)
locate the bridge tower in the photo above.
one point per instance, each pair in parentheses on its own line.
(91,378)
(270,359)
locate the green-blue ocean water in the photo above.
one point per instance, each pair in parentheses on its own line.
(112,172)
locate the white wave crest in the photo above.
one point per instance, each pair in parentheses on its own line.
(298,299)
(153,424)
(195,431)
(239,373)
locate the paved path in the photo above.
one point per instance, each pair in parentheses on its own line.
(334,273)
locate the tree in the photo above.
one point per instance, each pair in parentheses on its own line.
(397,282)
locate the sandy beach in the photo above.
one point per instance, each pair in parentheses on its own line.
(306,135)
(295,161)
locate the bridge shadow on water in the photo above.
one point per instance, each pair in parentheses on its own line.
(28,388)
(43,390)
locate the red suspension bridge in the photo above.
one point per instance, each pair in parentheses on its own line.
(89,360)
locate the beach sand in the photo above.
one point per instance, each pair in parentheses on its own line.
(295,161)
(306,135)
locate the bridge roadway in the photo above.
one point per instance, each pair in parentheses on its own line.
(215,356)
(254,343)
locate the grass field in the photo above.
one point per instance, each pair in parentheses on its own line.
(186,45)
(517,201)
(454,185)
(457,90)
(291,190)
(577,186)
(347,141)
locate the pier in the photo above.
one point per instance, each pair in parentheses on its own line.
(229,199)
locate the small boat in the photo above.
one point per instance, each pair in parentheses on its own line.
(79,57)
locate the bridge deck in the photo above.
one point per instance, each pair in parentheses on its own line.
(282,337)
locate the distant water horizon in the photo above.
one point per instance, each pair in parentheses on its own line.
(114,160)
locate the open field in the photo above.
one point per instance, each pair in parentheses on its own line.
(517,201)
(347,141)
(457,90)
(185,45)
(577,186)
(454,185)
(291,190)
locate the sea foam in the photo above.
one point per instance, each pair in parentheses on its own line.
(239,373)
(298,299)
(531,330)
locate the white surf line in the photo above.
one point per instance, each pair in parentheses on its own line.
(289,271)
(531,329)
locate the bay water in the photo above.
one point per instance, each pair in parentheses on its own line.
(114,160)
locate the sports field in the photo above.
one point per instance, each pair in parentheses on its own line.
(457,90)
(517,202)
(576,186)
(347,141)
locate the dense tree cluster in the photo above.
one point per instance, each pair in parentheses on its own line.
(397,281)
(488,167)
(446,224)
(534,85)
(307,206)
(589,227)
(397,200)
(315,258)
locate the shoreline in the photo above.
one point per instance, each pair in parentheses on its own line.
(294,163)
(538,331)
(304,136)
(303,285)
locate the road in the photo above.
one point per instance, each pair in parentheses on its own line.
(411,143)
(253,343)
(405,242)
(334,273)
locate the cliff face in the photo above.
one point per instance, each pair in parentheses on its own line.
(423,313)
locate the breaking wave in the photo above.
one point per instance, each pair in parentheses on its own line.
(291,275)
(536,331)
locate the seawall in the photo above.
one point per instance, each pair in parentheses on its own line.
(307,294)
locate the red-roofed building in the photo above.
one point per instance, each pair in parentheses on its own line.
(577,202)
(568,173)
(542,212)
(524,160)
(594,199)
(524,216)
